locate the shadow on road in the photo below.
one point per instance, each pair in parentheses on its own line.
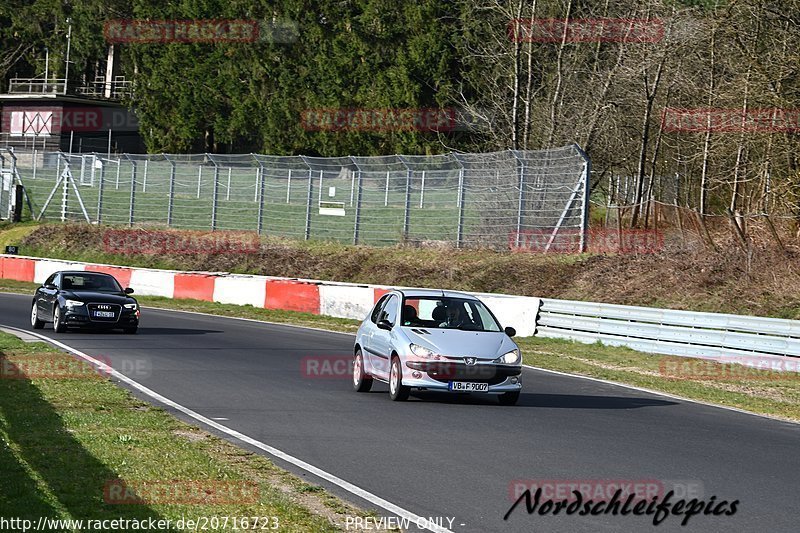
(557,401)
(145,330)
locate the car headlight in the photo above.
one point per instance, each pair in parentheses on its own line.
(73,303)
(130,306)
(511,358)
(422,351)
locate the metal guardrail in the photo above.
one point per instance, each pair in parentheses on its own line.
(667,331)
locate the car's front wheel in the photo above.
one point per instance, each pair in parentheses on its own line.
(35,322)
(361,381)
(58,322)
(508,398)
(397,391)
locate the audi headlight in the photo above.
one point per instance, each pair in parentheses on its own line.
(73,303)
(422,351)
(511,358)
(130,306)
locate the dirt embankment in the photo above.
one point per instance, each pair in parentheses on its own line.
(682,275)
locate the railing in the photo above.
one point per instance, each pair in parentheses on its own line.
(37,86)
(665,331)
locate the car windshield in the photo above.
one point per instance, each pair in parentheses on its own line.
(447,313)
(89,282)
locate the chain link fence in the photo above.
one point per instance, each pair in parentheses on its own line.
(461,199)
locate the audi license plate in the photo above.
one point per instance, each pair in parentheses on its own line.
(104,314)
(468,386)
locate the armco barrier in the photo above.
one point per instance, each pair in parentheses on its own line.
(666,331)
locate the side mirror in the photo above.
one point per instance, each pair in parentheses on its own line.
(50,287)
(128,290)
(510,331)
(385,324)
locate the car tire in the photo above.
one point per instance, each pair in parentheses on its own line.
(131,331)
(35,322)
(508,398)
(58,325)
(361,381)
(397,391)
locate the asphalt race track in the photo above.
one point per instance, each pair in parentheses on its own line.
(443,456)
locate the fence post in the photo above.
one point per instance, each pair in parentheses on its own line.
(587,173)
(199,179)
(358,207)
(133,192)
(171,199)
(289,186)
(319,196)
(214,196)
(460,229)
(521,203)
(100,192)
(407,205)
(352,187)
(307,233)
(386,195)
(144,177)
(228,192)
(422,191)
(64,197)
(260,220)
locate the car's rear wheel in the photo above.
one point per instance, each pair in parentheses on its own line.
(361,381)
(508,398)
(58,323)
(35,322)
(397,391)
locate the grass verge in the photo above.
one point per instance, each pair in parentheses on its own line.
(75,446)
(774,394)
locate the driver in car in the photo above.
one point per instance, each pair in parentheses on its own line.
(455,317)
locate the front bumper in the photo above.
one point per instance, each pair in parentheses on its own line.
(78,317)
(437,375)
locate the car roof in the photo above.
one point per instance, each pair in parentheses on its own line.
(411,293)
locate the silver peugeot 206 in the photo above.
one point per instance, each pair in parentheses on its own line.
(436,340)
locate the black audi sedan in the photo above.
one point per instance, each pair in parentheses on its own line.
(84,300)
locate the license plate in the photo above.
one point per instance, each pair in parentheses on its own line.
(468,386)
(104,314)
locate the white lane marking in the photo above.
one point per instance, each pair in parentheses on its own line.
(566,374)
(346,485)
(219,418)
